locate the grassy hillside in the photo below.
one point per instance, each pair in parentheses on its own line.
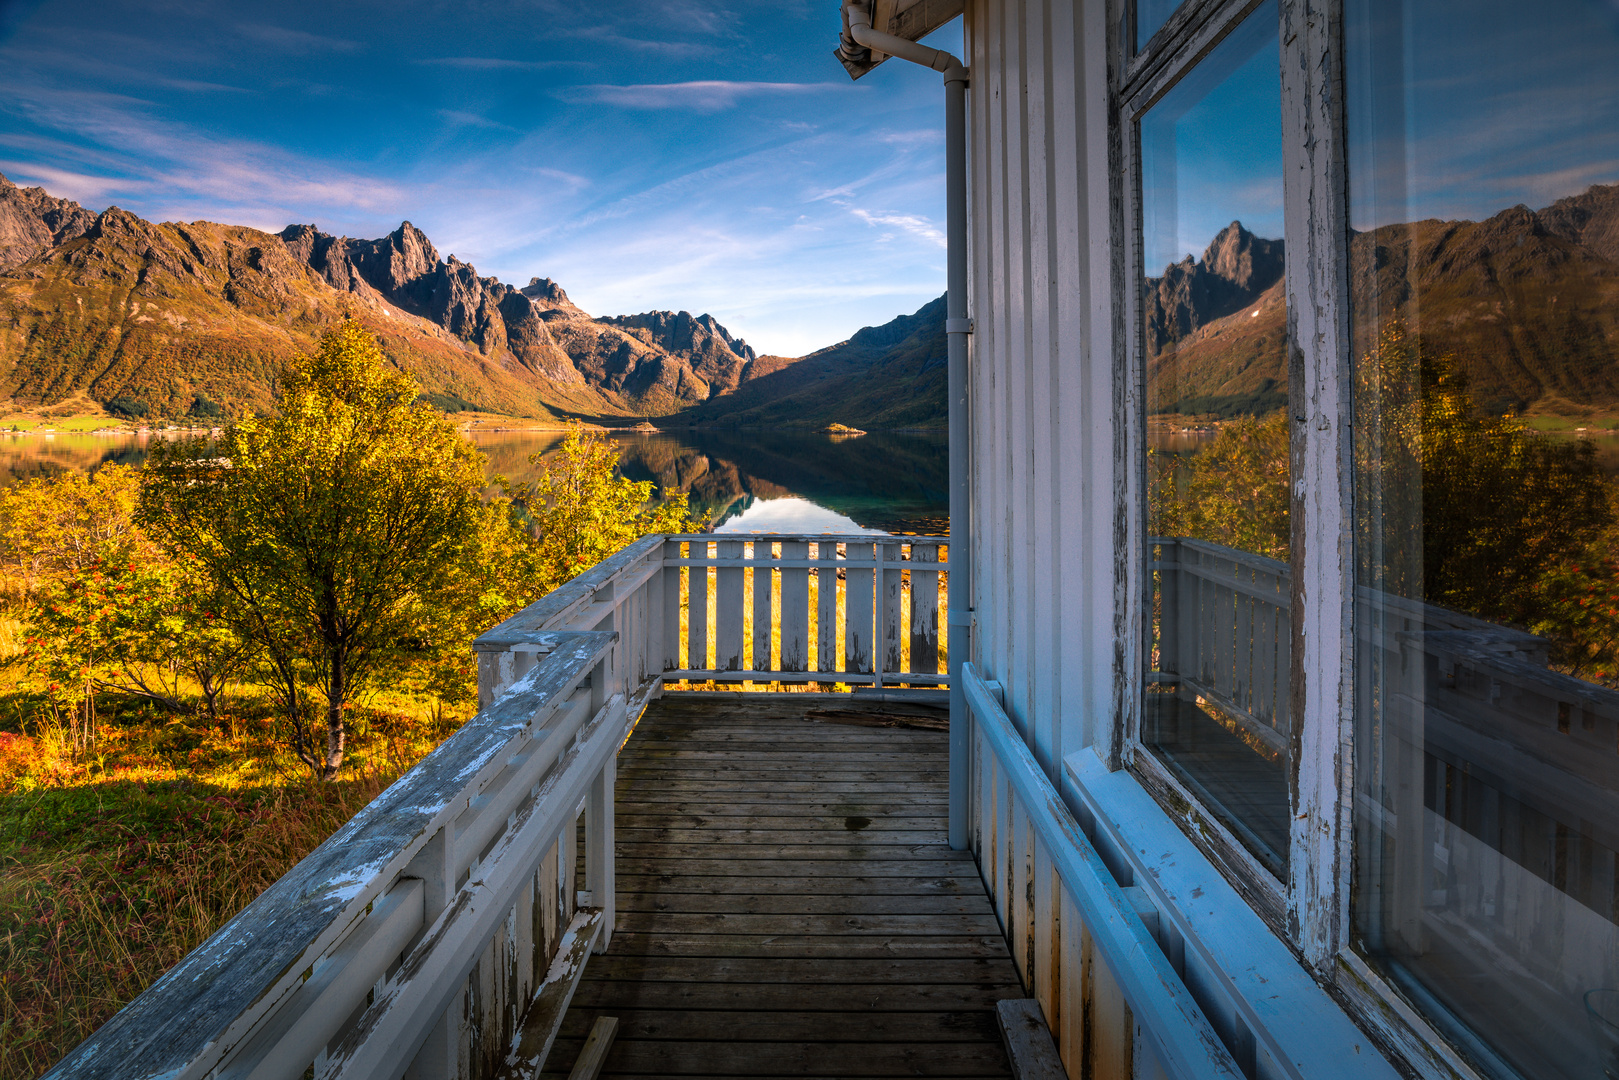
(889,376)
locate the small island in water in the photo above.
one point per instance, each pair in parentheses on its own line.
(841,429)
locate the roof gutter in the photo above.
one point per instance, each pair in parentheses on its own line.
(858,39)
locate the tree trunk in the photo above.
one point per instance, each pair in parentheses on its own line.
(337,690)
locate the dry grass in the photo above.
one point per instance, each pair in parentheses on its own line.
(113,867)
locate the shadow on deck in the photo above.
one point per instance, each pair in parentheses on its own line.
(788,904)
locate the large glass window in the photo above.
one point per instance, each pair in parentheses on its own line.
(1484,287)
(1214,330)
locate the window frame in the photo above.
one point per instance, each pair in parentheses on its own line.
(1309,911)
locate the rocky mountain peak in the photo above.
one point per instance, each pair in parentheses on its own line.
(680,331)
(1243,259)
(1236,268)
(32,222)
(1590,218)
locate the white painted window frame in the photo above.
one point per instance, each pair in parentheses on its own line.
(1309,912)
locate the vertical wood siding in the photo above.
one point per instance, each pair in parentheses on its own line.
(1041,368)
(1042,463)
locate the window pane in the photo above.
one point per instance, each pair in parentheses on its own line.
(1484,270)
(1214,333)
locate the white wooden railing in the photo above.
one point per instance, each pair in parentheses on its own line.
(440,933)
(857,610)
(428,932)
(1498,776)
(1081,943)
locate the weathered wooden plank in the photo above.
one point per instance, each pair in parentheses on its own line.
(890,604)
(860,801)
(778,827)
(798,839)
(813,946)
(799,867)
(762,555)
(593,1055)
(1029,1046)
(880,924)
(925,884)
(966,1025)
(656,899)
(728,599)
(543,1018)
(929,852)
(817,971)
(794,609)
(924,608)
(859,628)
(833,997)
(673,654)
(828,653)
(728,1057)
(697,612)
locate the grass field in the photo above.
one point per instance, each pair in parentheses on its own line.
(115,865)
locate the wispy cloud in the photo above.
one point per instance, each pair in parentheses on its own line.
(466,119)
(65,184)
(914,224)
(708,95)
(656,46)
(190,167)
(295,41)
(496,63)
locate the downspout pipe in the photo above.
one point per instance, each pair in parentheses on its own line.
(859,35)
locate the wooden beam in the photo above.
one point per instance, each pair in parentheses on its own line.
(1029,1045)
(594,1054)
(544,1017)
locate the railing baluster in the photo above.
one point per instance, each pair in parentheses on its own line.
(794,608)
(924,608)
(763,587)
(889,606)
(728,609)
(858,653)
(697,608)
(672,653)
(826,607)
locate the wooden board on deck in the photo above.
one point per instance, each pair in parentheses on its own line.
(788,905)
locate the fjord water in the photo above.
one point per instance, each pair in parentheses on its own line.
(745,479)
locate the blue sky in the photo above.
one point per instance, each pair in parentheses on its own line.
(675,155)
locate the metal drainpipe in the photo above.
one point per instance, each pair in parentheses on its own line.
(858,32)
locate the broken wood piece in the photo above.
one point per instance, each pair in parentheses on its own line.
(1029,1045)
(594,1053)
(544,1017)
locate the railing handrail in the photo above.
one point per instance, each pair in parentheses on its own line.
(1187,1046)
(214,1001)
(555,606)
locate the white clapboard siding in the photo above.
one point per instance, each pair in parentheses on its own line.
(1041,388)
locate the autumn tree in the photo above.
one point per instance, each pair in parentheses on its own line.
(581,509)
(331,530)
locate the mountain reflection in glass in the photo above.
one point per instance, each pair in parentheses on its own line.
(1214,322)
(1484,292)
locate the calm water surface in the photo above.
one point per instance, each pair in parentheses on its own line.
(756,481)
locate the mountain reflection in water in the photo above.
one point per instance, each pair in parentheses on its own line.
(754,481)
(772,481)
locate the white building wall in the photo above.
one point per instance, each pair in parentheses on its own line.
(1042,367)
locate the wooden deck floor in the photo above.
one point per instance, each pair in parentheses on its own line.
(788,904)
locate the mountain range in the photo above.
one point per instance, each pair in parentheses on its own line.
(1527,301)
(174,318)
